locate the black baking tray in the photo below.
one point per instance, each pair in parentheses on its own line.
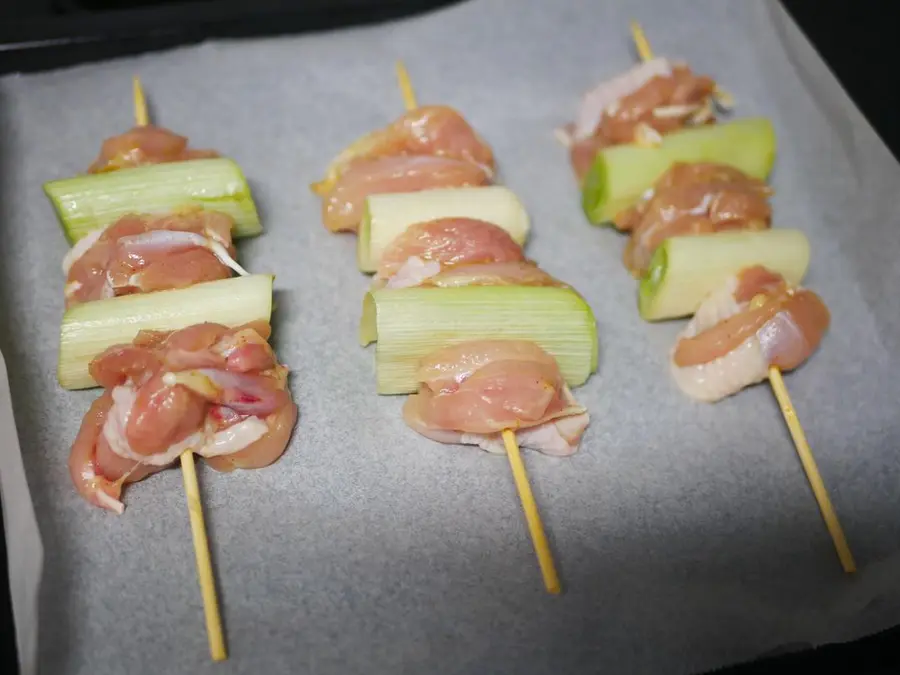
(855,40)
(41,34)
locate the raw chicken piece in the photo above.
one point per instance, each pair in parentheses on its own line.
(428,130)
(447,368)
(596,102)
(471,392)
(143,253)
(214,390)
(265,450)
(652,98)
(449,242)
(753,322)
(343,203)
(692,199)
(92,482)
(145,145)
(521,273)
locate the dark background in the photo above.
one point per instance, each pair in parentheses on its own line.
(855,39)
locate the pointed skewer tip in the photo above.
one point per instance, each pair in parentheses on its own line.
(141,115)
(406,88)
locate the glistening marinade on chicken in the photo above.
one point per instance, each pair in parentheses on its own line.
(217,391)
(142,145)
(691,199)
(518,273)
(429,147)
(754,321)
(342,204)
(143,253)
(434,130)
(426,249)
(449,242)
(471,392)
(652,98)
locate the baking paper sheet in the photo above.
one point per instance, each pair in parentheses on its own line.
(686,534)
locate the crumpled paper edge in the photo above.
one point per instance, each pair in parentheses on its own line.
(24,550)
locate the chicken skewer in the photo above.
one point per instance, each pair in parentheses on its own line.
(520,476)
(192,489)
(787,407)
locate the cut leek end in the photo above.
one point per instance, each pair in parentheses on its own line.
(684,270)
(594,338)
(368,324)
(89,329)
(595,200)
(650,283)
(389,215)
(364,258)
(409,323)
(621,174)
(88,202)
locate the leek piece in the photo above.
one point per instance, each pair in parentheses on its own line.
(386,216)
(685,270)
(85,203)
(409,323)
(90,328)
(621,174)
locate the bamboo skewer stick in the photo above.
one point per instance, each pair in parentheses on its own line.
(204,563)
(192,490)
(642,46)
(532,515)
(520,476)
(640,42)
(804,452)
(406,89)
(812,471)
(141,113)
(787,407)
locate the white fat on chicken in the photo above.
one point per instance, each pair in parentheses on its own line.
(103,499)
(72,287)
(80,247)
(414,272)
(203,442)
(743,366)
(559,438)
(234,438)
(675,111)
(174,239)
(110,503)
(701,209)
(608,93)
(162,239)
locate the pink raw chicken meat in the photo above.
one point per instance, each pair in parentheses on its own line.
(217,391)
(692,199)
(471,392)
(754,321)
(519,273)
(425,249)
(434,130)
(652,98)
(145,145)
(342,203)
(142,253)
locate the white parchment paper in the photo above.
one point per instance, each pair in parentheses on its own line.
(686,534)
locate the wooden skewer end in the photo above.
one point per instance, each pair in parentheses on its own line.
(406,88)
(804,452)
(532,516)
(141,114)
(640,42)
(204,562)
